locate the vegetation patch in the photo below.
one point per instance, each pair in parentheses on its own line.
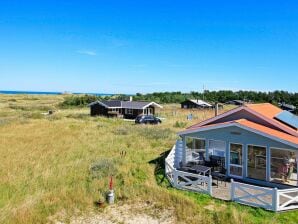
(180,124)
(103,168)
(155,133)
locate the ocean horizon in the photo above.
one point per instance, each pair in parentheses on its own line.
(8,92)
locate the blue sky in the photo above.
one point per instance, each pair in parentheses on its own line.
(145,46)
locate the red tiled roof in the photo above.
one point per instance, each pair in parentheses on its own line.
(266,109)
(268,131)
(254,126)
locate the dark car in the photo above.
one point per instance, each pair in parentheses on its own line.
(147,119)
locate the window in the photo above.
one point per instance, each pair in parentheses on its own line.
(256,162)
(116,110)
(197,148)
(128,111)
(217,148)
(195,143)
(283,167)
(236,165)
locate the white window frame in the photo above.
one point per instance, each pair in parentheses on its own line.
(267,157)
(236,165)
(283,149)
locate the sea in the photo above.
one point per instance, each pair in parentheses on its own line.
(50,93)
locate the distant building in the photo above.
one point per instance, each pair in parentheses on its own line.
(288,107)
(190,104)
(236,102)
(125,109)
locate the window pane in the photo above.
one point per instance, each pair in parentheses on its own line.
(217,148)
(283,166)
(256,162)
(236,154)
(199,144)
(235,170)
(196,148)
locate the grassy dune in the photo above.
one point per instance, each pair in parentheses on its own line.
(52,167)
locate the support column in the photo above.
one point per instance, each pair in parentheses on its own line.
(207,149)
(244,160)
(183,151)
(228,158)
(268,164)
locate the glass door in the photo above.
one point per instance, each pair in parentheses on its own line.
(256,162)
(236,160)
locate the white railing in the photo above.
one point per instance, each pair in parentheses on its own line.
(264,197)
(287,199)
(184,180)
(247,194)
(252,195)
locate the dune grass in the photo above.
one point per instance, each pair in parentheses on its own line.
(52,167)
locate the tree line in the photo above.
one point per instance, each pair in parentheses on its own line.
(221,96)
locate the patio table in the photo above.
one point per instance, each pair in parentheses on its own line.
(200,169)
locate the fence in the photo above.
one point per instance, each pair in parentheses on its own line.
(268,198)
(272,199)
(184,180)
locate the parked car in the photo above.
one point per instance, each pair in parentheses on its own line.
(147,119)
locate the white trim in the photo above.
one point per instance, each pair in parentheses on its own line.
(237,165)
(152,103)
(271,121)
(283,149)
(239,126)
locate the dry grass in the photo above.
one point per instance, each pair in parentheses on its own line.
(46,165)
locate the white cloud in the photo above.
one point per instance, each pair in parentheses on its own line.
(87,52)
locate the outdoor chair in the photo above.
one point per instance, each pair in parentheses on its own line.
(220,175)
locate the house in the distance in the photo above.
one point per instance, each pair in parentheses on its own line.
(191,104)
(236,102)
(125,109)
(288,107)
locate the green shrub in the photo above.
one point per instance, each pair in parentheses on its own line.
(78,101)
(180,124)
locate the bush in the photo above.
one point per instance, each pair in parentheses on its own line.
(80,101)
(180,124)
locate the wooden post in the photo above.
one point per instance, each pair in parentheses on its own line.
(275,200)
(232,190)
(210,185)
(175,178)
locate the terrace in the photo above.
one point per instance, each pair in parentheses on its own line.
(198,174)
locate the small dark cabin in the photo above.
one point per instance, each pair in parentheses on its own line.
(236,102)
(190,104)
(124,109)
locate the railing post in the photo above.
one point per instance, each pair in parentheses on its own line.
(210,185)
(232,190)
(175,175)
(275,199)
